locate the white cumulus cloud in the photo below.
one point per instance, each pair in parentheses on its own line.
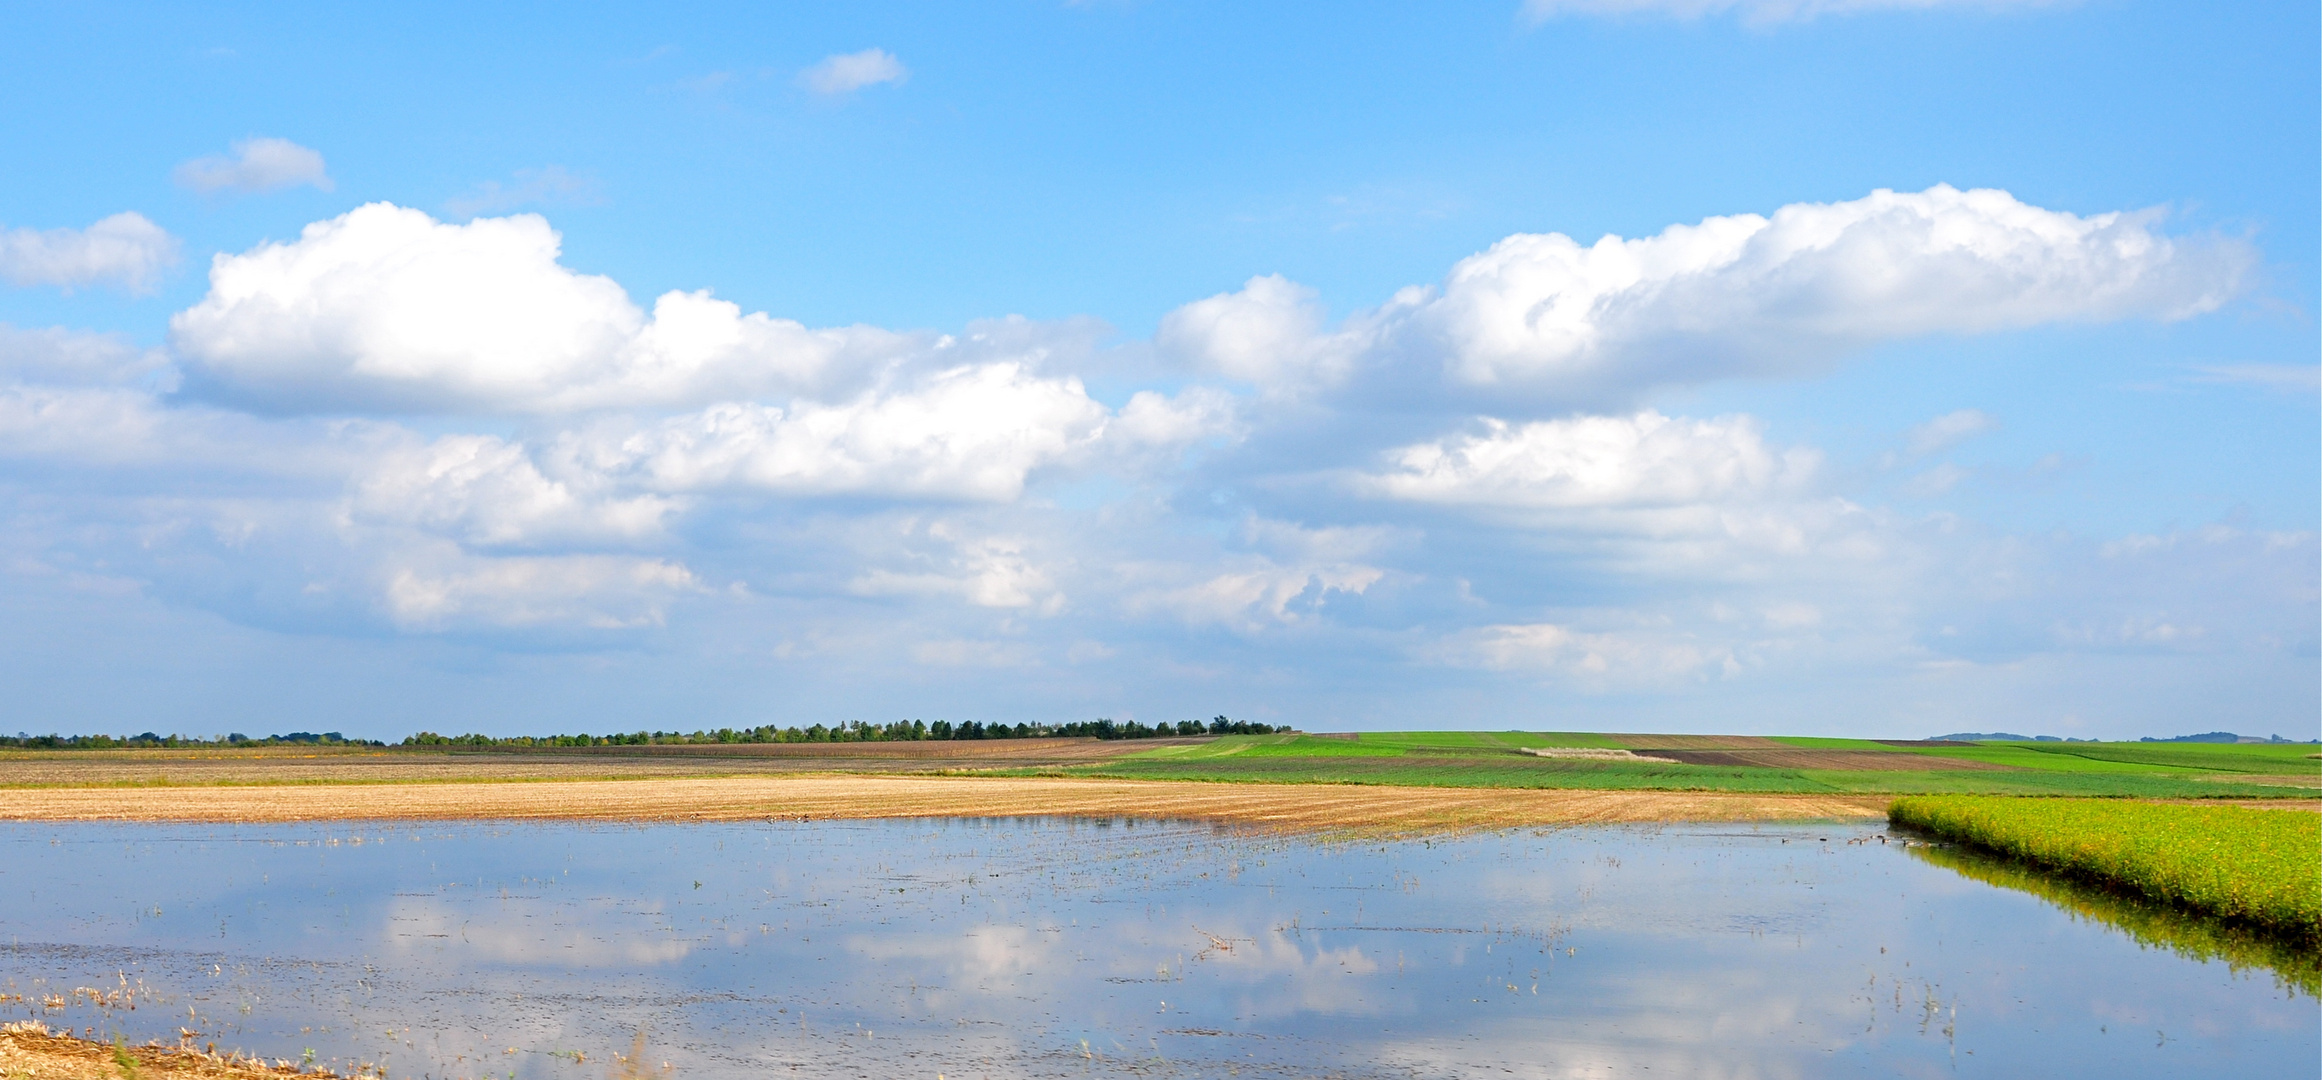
(1269,332)
(386,308)
(265,164)
(126,249)
(1545,318)
(1645,459)
(971,433)
(846,73)
(484,491)
(1748,294)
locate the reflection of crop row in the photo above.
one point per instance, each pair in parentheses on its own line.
(2261,867)
(2164,926)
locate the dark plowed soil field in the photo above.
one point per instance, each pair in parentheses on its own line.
(1793,758)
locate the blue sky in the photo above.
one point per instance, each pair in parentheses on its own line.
(1157,360)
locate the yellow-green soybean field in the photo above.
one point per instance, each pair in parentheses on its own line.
(2255,866)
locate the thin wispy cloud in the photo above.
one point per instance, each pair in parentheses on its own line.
(845,73)
(2303,379)
(1759,12)
(1949,430)
(549,187)
(256,165)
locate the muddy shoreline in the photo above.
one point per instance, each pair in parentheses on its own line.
(32,1050)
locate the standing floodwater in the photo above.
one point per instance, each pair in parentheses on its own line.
(1015,948)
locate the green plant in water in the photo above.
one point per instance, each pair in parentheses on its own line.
(122,1058)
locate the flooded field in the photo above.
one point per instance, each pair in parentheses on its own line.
(975,948)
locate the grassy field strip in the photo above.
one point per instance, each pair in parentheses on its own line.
(2022,756)
(2256,866)
(2228,757)
(1287,763)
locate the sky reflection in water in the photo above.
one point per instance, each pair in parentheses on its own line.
(1030,948)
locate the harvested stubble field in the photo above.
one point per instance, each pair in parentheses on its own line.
(394,765)
(1289,807)
(1372,781)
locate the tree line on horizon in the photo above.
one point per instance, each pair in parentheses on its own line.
(152,740)
(845,732)
(854,731)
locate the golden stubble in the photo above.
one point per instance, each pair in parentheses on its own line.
(1289,807)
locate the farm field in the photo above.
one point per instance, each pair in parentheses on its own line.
(394,765)
(1297,808)
(1735,763)
(1422,759)
(2259,867)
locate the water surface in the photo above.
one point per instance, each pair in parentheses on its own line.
(1074,948)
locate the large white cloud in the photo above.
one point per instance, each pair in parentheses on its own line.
(126,249)
(1543,317)
(386,308)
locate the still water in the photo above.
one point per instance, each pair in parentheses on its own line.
(1076,948)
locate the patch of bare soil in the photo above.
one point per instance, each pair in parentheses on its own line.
(30,1050)
(1793,758)
(2274,780)
(1698,742)
(1293,807)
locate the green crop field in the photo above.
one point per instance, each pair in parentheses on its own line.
(2262,867)
(1801,765)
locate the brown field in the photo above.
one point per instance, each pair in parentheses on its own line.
(2297,780)
(1291,807)
(1697,742)
(1792,758)
(31,1050)
(307,765)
